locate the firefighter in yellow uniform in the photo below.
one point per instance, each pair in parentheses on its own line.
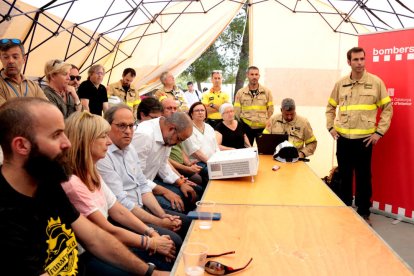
(358,97)
(253,105)
(171,91)
(125,90)
(214,99)
(298,128)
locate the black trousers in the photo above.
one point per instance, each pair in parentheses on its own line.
(251,133)
(354,156)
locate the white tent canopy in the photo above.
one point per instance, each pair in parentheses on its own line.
(299,45)
(156,35)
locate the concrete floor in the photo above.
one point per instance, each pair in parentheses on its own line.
(398,234)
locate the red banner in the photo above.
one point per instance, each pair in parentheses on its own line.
(390,55)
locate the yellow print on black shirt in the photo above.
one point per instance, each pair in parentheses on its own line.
(62,252)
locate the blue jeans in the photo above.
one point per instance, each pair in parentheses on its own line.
(166,204)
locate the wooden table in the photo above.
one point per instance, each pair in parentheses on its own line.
(292,184)
(294,240)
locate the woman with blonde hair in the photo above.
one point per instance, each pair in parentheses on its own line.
(58,90)
(86,190)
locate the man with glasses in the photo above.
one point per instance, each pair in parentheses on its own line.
(12,82)
(214,99)
(74,77)
(92,93)
(125,90)
(153,140)
(121,171)
(178,159)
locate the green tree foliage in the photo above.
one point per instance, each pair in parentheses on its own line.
(224,54)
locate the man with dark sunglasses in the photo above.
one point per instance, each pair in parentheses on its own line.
(12,82)
(74,77)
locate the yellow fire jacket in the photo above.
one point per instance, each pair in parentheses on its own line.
(254,110)
(176,94)
(299,130)
(358,103)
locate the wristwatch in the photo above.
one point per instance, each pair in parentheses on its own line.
(151,268)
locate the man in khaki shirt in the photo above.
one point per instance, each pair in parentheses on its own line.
(171,91)
(253,105)
(351,119)
(125,90)
(12,82)
(297,127)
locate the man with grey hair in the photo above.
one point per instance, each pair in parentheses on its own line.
(92,93)
(153,140)
(171,91)
(298,128)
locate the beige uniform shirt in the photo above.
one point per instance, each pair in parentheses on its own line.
(358,103)
(130,97)
(299,130)
(10,89)
(254,110)
(176,94)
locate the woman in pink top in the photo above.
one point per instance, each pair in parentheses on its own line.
(86,190)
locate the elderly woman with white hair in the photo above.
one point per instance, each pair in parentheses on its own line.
(58,90)
(229,133)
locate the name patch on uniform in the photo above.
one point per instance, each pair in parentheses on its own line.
(367,86)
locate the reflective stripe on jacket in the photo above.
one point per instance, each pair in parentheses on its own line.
(254,110)
(358,103)
(299,130)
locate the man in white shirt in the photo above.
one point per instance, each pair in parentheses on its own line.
(153,140)
(192,95)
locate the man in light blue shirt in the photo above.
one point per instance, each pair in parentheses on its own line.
(121,171)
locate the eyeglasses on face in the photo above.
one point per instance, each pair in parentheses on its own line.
(202,110)
(123,127)
(217,268)
(72,78)
(11,41)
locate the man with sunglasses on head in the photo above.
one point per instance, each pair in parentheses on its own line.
(74,77)
(125,90)
(58,90)
(12,82)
